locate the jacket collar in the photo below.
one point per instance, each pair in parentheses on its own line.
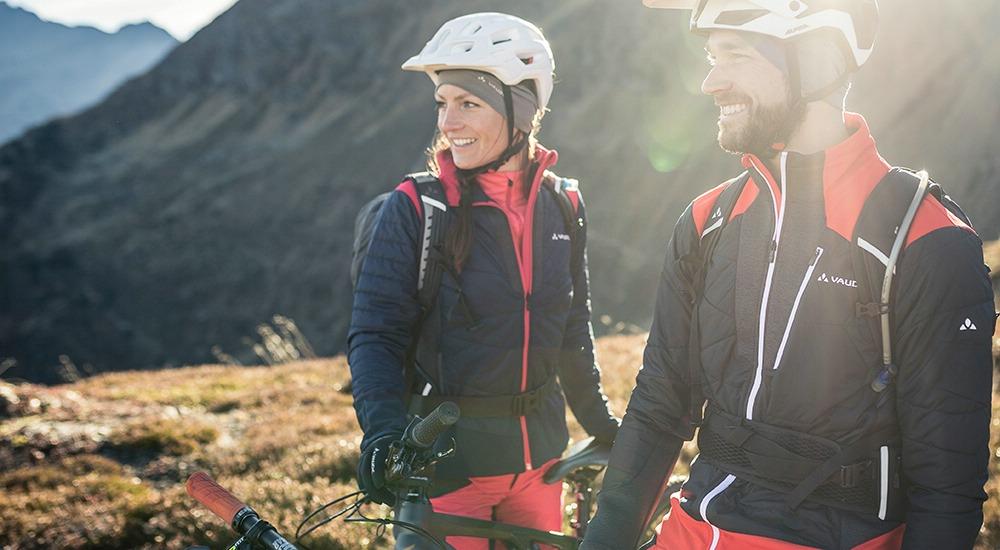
(854,161)
(849,171)
(447,171)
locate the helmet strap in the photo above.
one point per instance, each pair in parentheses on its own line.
(508,105)
(794,97)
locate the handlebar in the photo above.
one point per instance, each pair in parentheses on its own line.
(424,433)
(213,496)
(243,519)
(413,452)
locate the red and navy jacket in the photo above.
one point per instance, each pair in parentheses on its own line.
(782,347)
(525,320)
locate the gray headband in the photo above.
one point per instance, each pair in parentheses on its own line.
(489,88)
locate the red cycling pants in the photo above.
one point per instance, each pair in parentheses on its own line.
(520,499)
(679,531)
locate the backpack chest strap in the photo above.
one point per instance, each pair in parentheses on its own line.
(520,404)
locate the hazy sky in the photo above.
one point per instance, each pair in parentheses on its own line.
(181,18)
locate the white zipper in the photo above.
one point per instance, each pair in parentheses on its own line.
(703,508)
(883,500)
(795,307)
(779,214)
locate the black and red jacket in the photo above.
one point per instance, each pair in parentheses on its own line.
(525,321)
(783,347)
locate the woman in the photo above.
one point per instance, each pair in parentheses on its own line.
(512,315)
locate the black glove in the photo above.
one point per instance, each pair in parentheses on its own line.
(608,433)
(371,470)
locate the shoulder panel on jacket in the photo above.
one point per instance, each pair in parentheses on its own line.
(931,216)
(410,189)
(747,197)
(845,199)
(702,205)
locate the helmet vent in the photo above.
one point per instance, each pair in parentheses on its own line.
(501,41)
(527,60)
(460,47)
(736,18)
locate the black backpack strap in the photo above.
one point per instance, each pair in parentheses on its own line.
(434,207)
(698,261)
(421,356)
(942,197)
(571,218)
(520,404)
(881,232)
(560,189)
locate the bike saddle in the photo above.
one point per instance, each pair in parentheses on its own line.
(583,453)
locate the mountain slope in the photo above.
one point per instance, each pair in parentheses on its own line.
(48,69)
(219,188)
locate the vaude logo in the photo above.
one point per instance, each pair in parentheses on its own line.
(490,84)
(560,237)
(967,325)
(833,279)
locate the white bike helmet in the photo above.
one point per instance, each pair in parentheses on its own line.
(508,47)
(855,20)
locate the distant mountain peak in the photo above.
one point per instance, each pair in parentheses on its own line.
(16,15)
(6,10)
(53,69)
(143,26)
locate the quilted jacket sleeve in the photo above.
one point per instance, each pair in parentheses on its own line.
(655,423)
(944,326)
(579,373)
(383,318)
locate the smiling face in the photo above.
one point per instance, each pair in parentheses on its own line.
(477,134)
(750,91)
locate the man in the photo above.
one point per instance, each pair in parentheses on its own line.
(815,433)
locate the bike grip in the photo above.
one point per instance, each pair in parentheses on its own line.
(426,431)
(213,496)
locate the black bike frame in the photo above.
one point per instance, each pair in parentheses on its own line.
(416,509)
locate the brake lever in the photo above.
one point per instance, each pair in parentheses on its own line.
(406,462)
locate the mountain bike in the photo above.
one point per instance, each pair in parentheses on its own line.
(409,469)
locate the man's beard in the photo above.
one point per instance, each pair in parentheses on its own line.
(765,127)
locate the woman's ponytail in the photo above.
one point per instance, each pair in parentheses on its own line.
(458,241)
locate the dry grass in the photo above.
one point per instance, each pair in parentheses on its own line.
(101,463)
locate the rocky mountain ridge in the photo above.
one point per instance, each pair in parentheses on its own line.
(48,69)
(219,188)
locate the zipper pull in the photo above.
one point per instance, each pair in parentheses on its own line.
(819,252)
(772,251)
